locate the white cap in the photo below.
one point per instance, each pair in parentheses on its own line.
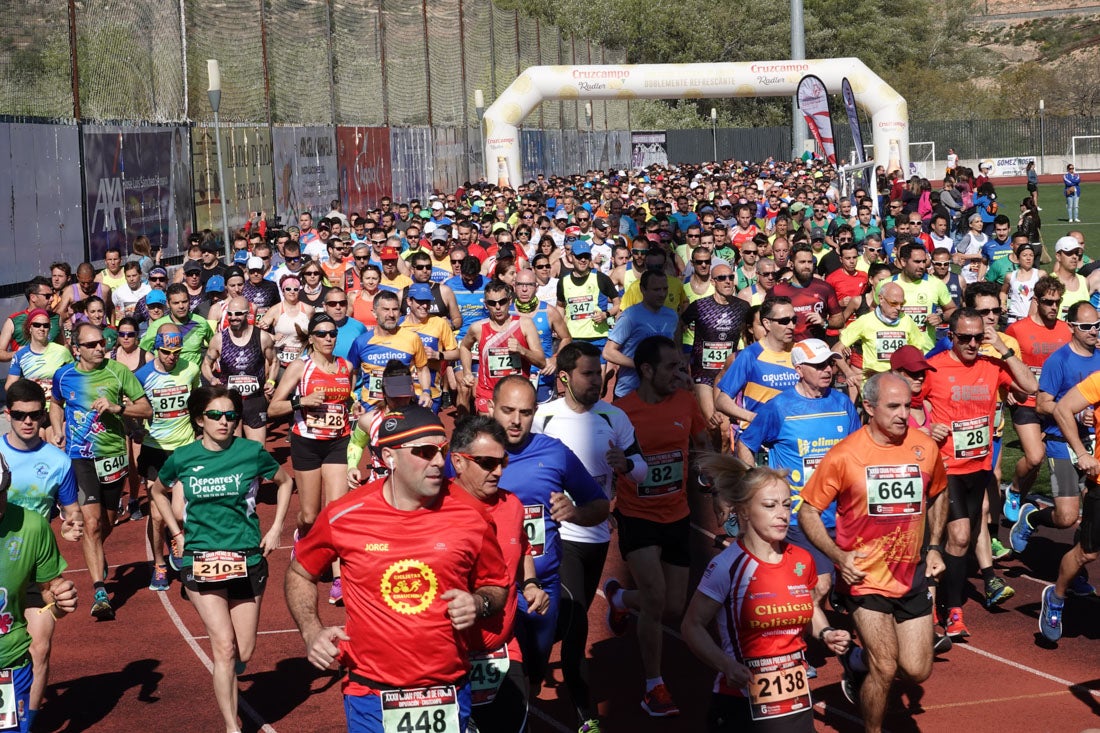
(811,351)
(254,263)
(560,214)
(429,227)
(1067,244)
(437,206)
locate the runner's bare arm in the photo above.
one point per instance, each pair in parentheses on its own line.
(60,594)
(696,630)
(300,589)
(280,401)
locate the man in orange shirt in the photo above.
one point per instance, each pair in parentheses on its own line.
(887,481)
(653,517)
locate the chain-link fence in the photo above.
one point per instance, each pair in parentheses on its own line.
(295,62)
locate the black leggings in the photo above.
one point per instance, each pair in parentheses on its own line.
(507,713)
(581,568)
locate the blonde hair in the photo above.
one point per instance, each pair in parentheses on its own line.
(734,481)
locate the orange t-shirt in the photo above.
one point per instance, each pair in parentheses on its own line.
(882,494)
(964,398)
(663,432)
(1037,343)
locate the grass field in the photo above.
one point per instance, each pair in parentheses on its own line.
(1055,225)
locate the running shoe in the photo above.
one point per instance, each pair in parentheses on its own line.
(617,620)
(1000,552)
(1050,615)
(941,643)
(658,703)
(954,625)
(101,607)
(174,561)
(1021,530)
(589,726)
(160,578)
(811,672)
(1012,504)
(1080,586)
(336,593)
(852,680)
(136,514)
(997,592)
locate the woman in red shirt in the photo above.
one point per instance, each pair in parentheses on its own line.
(759,592)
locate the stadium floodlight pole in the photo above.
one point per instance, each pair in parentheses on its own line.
(799,131)
(479,110)
(588,142)
(1042,139)
(214,93)
(714,130)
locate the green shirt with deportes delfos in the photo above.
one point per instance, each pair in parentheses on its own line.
(28,554)
(219,494)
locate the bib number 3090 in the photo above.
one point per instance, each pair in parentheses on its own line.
(421,710)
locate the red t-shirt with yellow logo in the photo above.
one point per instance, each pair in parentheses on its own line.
(394,566)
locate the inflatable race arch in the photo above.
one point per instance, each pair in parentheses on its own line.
(887,109)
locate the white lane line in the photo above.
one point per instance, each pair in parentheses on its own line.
(1025,668)
(242,704)
(259,633)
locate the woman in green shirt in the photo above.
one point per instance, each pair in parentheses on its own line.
(223,566)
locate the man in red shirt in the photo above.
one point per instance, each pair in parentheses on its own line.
(962,392)
(848,282)
(815,302)
(418,565)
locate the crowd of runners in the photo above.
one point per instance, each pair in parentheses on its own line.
(482,389)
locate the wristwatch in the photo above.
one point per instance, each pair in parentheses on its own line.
(485,609)
(1008,355)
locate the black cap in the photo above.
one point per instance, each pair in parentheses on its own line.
(192,266)
(408,425)
(210,245)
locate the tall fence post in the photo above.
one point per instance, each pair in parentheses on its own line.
(465,88)
(382,64)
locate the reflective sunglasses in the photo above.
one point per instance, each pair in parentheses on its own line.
(427,451)
(217,415)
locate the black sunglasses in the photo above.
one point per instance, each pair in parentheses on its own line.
(217,415)
(486,463)
(20,415)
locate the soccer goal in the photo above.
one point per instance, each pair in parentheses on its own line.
(922,159)
(1085,153)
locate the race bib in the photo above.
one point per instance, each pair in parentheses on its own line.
(580,307)
(246,384)
(47,387)
(664,474)
(534,526)
(971,437)
(1090,444)
(487,671)
(374,386)
(170,402)
(715,354)
(778,686)
(326,420)
(918,313)
(9,711)
(894,490)
(887,342)
(218,565)
(501,362)
(111,469)
(420,710)
(288,356)
(809,463)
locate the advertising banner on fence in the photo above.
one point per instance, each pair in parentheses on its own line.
(648,148)
(813,101)
(138,181)
(40,199)
(411,162)
(363,155)
(1005,167)
(246,160)
(306,173)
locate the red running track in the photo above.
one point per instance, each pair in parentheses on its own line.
(148,667)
